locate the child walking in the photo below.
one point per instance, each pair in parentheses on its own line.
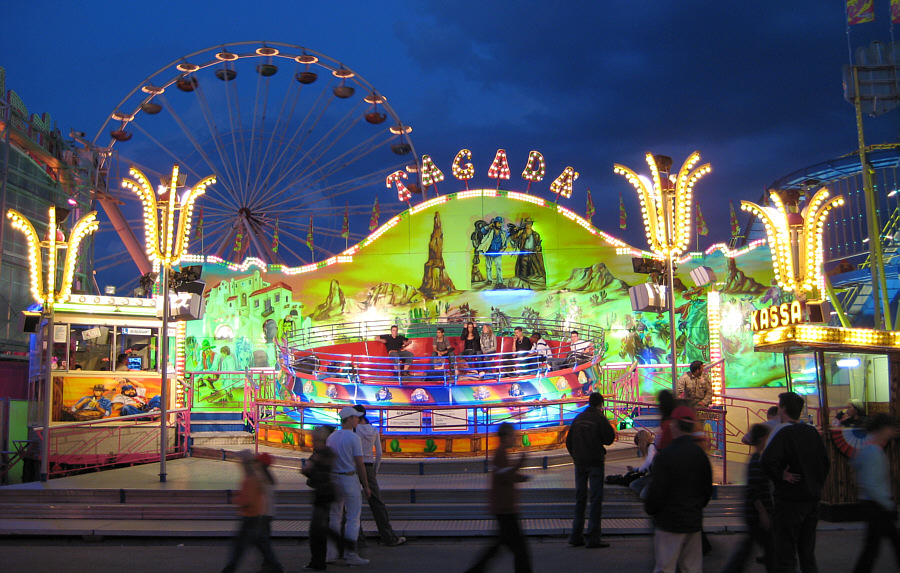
(256,506)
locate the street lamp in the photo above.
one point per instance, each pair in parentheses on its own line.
(666,209)
(45,292)
(166,243)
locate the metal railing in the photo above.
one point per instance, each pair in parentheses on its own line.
(125,439)
(305,353)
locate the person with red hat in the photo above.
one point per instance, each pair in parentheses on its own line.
(256,505)
(680,489)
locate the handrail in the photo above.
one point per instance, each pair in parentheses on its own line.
(303,358)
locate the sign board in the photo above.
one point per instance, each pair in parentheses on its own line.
(776,315)
(450,421)
(403,419)
(60,331)
(137,331)
(91,333)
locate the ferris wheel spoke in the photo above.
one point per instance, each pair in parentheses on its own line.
(290,144)
(296,162)
(293,162)
(319,248)
(198,148)
(359,155)
(320,148)
(277,135)
(208,116)
(179,160)
(297,255)
(257,116)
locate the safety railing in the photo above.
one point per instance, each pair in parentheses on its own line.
(306,354)
(79,446)
(471,419)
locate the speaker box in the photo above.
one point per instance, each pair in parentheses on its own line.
(819,311)
(648,297)
(703,276)
(29,321)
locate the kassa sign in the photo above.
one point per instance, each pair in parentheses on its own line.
(776,315)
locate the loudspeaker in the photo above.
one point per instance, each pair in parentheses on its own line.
(819,311)
(29,321)
(703,276)
(648,297)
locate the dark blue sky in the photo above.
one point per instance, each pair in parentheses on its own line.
(755,86)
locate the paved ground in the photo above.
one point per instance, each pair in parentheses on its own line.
(836,550)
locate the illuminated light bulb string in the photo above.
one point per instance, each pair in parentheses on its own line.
(795,240)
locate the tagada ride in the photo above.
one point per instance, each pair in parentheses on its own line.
(440,407)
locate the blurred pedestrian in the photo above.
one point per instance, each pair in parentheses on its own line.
(589,433)
(371,449)
(317,470)
(757,508)
(504,504)
(797,463)
(255,502)
(348,475)
(873,474)
(681,487)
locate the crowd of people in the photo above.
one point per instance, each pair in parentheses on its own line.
(477,353)
(786,474)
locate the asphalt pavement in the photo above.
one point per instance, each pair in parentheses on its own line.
(836,552)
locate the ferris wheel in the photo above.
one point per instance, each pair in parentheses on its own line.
(300,145)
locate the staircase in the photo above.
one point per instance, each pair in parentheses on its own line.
(438,506)
(218,428)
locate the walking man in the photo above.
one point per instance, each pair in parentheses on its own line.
(504,505)
(680,489)
(589,433)
(348,473)
(797,463)
(371,442)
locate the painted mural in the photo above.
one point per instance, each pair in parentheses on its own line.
(85,398)
(489,255)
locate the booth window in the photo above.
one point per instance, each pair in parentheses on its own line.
(90,347)
(804,380)
(139,345)
(864,377)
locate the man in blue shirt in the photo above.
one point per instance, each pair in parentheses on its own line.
(873,475)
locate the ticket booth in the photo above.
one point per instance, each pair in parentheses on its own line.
(828,366)
(106,383)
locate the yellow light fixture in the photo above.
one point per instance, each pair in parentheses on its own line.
(166,241)
(795,239)
(45,292)
(656,199)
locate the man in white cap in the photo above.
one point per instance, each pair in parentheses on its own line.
(349,473)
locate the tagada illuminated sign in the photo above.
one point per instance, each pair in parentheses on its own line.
(784,314)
